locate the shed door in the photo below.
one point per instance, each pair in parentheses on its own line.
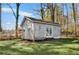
(48,32)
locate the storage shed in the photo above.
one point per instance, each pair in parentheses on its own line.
(35,29)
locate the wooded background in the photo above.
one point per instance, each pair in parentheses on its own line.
(65,14)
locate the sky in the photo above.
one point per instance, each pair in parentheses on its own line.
(8,19)
(27,9)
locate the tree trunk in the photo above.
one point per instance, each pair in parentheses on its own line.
(74,16)
(67,20)
(57,14)
(52,13)
(42,11)
(0,18)
(52,10)
(17,17)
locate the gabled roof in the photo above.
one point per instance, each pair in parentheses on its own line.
(37,21)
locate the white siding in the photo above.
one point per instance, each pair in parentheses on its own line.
(28,31)
(56,31)
(39,31)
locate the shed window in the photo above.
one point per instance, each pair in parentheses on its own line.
(49,31)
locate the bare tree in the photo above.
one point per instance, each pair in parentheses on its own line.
(51,6)
(17,18)
(66,6)
(16,14)
(74,17)
(12,10)
(42,11)
(0,18)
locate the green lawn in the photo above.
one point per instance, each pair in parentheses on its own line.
(57,47)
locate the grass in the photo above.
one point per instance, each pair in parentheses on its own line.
(54,47)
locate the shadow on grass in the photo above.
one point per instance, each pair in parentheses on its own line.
(41,48)
(37,50)
(62,41)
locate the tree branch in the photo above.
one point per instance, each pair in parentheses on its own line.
(12,10)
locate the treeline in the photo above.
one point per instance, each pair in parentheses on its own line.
(66,15)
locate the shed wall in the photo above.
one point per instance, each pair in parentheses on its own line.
(28,31)
(40,31)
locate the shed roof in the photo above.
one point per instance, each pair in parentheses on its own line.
(38,21)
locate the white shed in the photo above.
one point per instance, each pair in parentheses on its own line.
(35,29)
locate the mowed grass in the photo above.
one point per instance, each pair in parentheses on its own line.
(53,47)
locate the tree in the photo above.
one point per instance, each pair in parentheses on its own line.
(51,6)
(16,14)
(66,6)
(42,11)
(17,18)
(0,18)
(58,13)
(74,17)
